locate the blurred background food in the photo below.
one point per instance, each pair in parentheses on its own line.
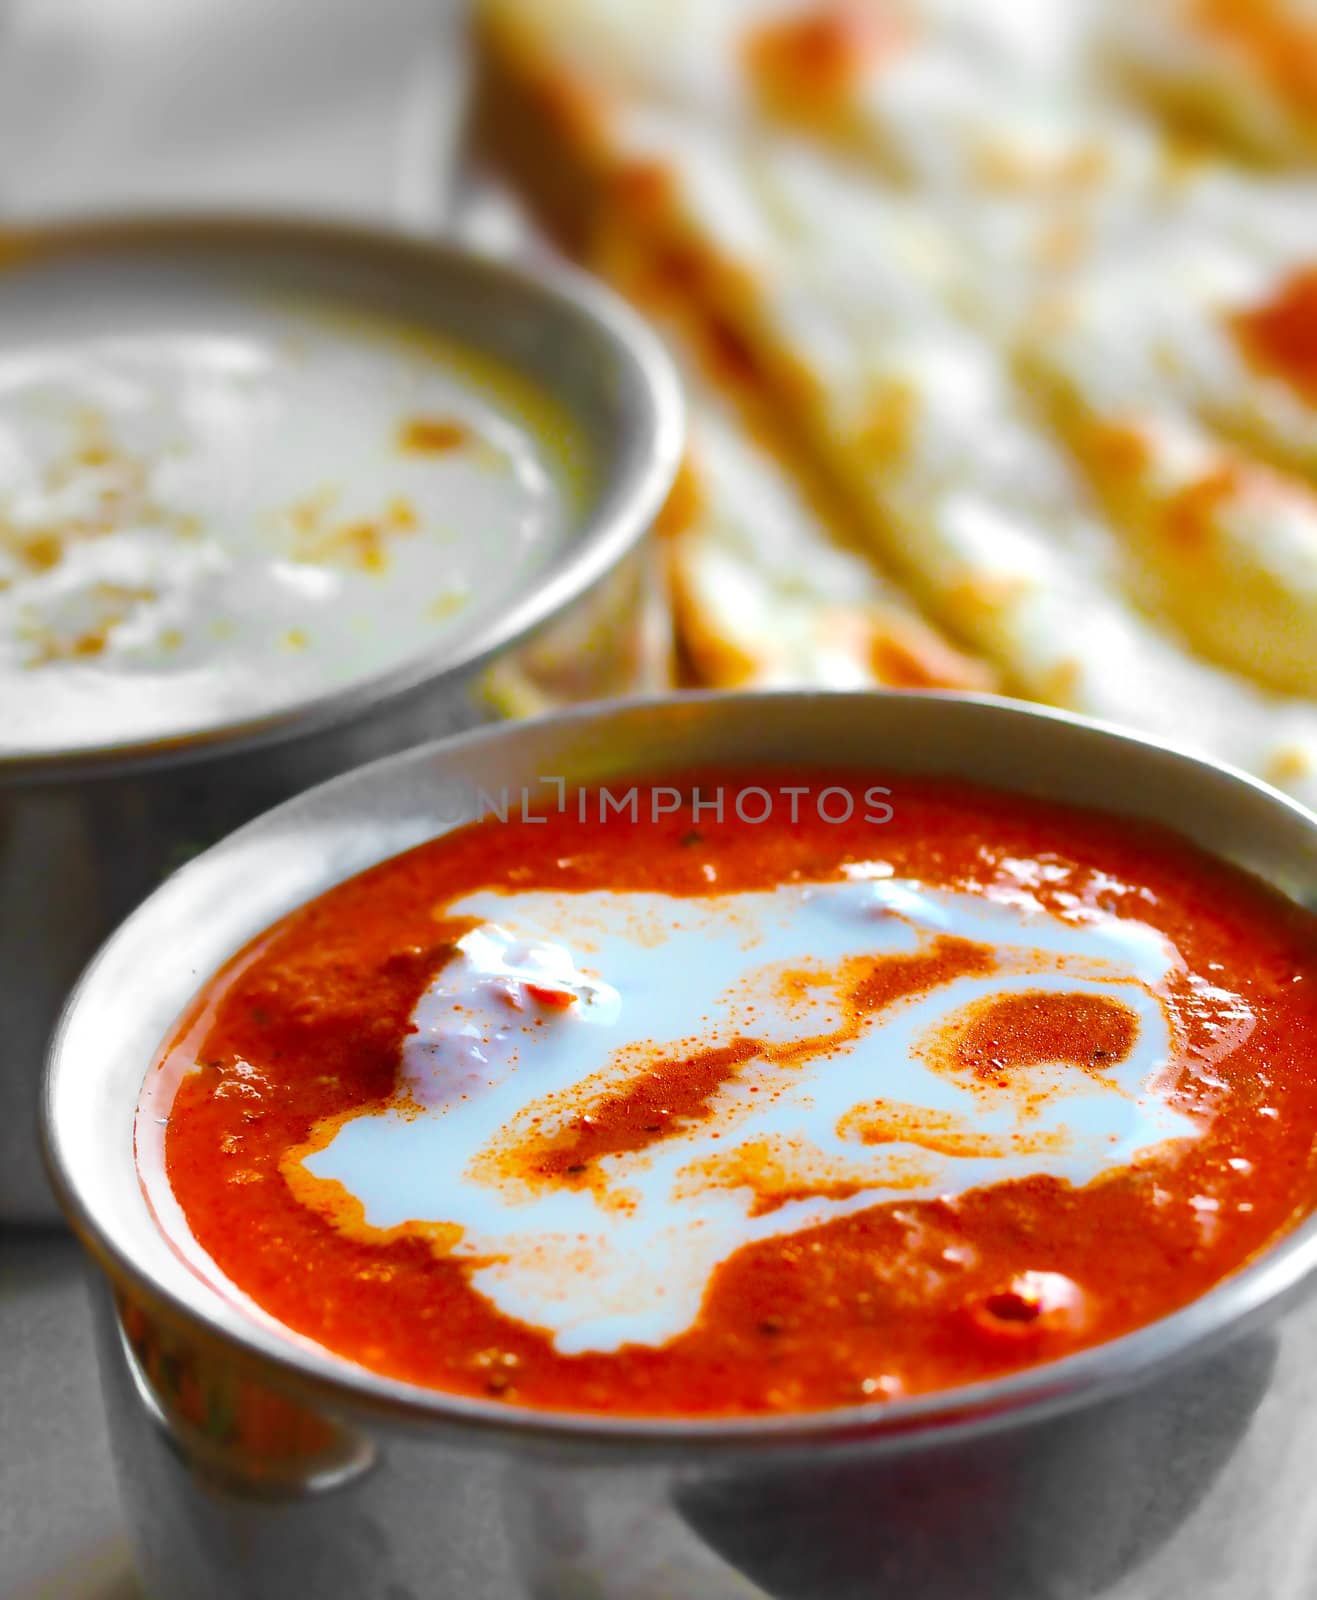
(998,322)
(999,328)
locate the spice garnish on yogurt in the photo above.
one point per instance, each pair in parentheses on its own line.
(216,506)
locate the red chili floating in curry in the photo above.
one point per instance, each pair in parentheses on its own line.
(308,1029)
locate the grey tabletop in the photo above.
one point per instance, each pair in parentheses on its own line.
(61,1535)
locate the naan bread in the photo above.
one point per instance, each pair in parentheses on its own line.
(1245,69)
(953,96)
(1197,324)
(766,597)
(932,361)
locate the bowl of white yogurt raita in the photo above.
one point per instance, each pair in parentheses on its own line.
(276,498)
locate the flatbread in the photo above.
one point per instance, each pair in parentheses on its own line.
(1245,70)
(947,366)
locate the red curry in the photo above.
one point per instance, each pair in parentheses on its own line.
(307,1025)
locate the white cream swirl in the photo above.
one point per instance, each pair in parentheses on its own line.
(624,1252)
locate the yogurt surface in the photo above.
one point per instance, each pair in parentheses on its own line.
(217,503)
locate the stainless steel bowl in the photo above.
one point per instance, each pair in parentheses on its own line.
(85,834)
(1173,1462)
